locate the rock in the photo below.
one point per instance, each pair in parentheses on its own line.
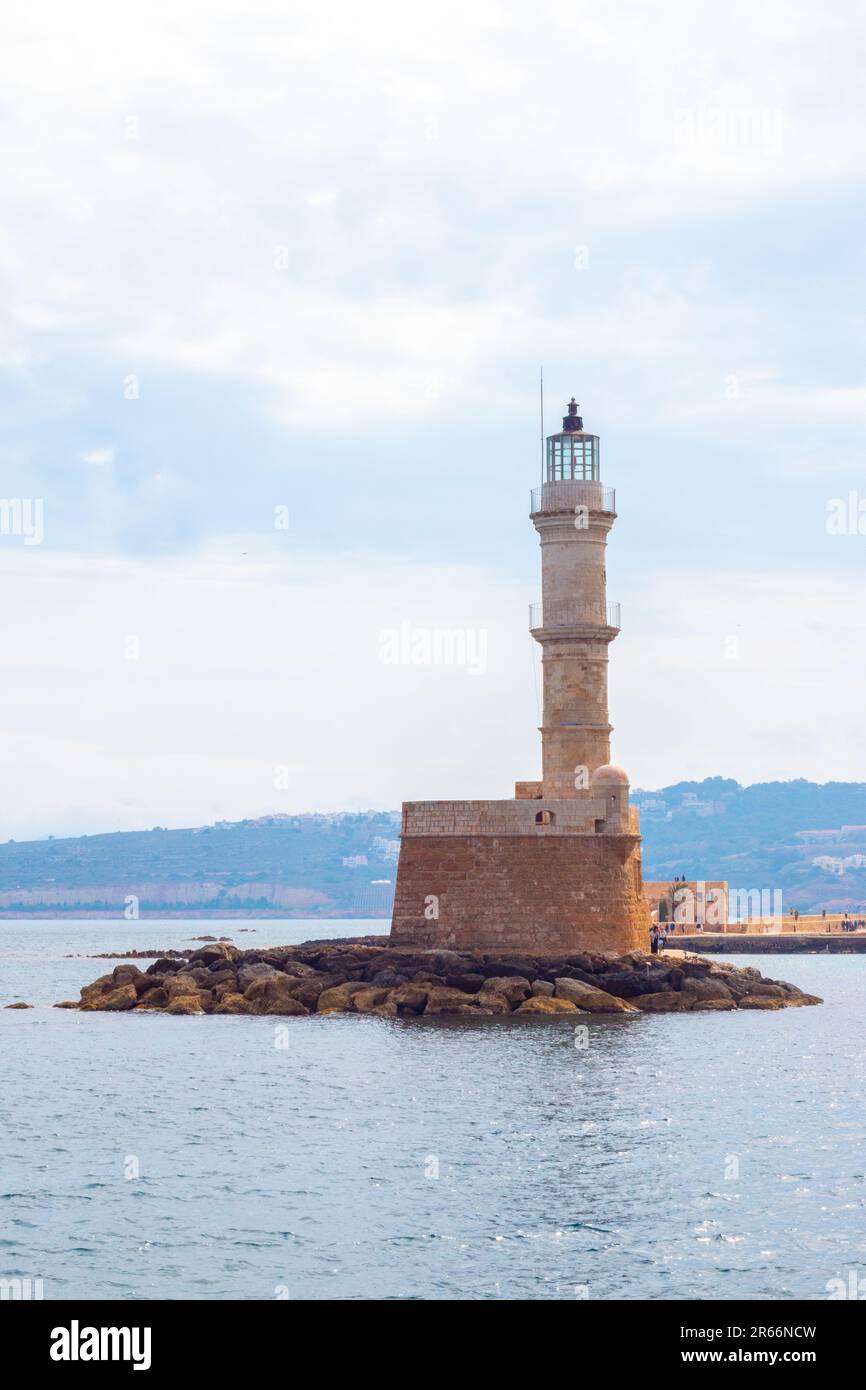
(126,974)
(588,997)
(146,982)
(396,962)
(297,970)
(494,1002)
(386,1010)
(260,971)
(443,961)
(469,1007)
(365,1000)
(225,987)
(540,1004)
(285,1006)
(114,1000)
(153,999)
(273,994)
(222,967)
(740,984)
(695,969)
(469,982)
(707,988)
(338,999)
(442,1000)
(184,1004)
(203,978)
(410,999)
(26,1006)
(714,1004)
(347,967)
(736,984)
(625,984)
(159,967)
(90,993)
(180,985)
(219,951)
(557,970)
(631,960)
(526,968)
(305,991)
(233,1004)
(388,978)
(218,978)
(667,1002)
(367,976)
(515,988)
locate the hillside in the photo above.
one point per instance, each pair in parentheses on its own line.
(307,866)
(808,840)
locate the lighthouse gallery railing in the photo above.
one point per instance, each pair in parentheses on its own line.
(574,614)
(564,497)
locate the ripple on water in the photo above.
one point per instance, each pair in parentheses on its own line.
(422,1162)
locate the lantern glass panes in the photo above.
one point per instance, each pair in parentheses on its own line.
(571,456)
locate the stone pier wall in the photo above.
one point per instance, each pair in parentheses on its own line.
(530,893)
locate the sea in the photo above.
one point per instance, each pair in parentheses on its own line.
(698,1156)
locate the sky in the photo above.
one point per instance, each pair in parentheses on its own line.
(277,282)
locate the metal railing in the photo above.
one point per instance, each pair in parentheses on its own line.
(564,497)
(574,614)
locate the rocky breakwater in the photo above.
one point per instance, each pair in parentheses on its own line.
(391,983)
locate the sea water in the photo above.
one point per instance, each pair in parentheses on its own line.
(706,1155)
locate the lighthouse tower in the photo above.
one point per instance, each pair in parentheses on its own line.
(574,623)
(556,867)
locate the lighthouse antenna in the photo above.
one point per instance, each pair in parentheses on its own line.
(541,389)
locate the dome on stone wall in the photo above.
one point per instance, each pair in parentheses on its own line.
(609,776)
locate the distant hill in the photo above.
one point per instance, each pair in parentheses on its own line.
(290,866)
(808,840)
(805,838)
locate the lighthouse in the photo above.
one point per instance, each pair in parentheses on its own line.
(557,867)
(573,513)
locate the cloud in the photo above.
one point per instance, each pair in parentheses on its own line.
(98,457)
(331,247)
(457,177)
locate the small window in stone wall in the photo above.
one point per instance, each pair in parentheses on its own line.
(544,818)
(599,827)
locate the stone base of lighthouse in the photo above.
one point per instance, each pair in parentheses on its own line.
(530,876)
